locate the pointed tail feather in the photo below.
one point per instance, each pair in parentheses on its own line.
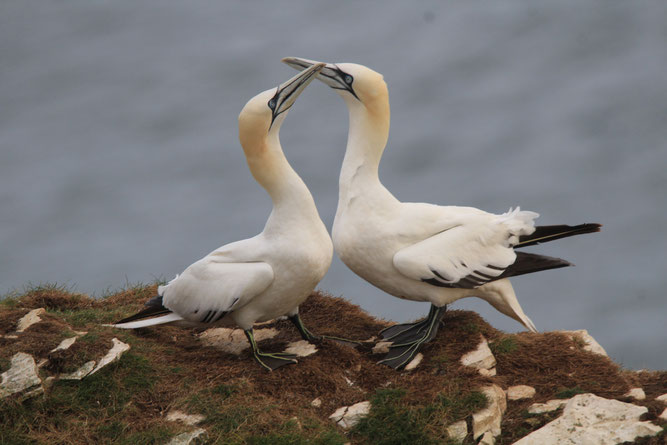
(543,234)
(168,318)
(530,262)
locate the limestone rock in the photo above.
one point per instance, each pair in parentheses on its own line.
(481,358)
(487,439)
(348,416)
(233,341)
(316,403)
(663,416)
(589,419)
(188,419)
(196,437)
(636,393)
(414,362)
(22,375)
(458,430)
(489,418)
(301,348)
(589,342)
(80,373)
(520,392)
(65,344)
(381,347)
(30,319)
(113,355)
(551,405)
(662,398)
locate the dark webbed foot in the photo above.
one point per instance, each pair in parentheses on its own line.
(312,338)
(408,338)
(269,361)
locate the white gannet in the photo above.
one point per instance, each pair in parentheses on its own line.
(271,274)
(419,251)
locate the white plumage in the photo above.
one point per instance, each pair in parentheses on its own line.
(419,251)
(269,275)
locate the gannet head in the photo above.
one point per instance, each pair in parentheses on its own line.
(351,81)
(264,114)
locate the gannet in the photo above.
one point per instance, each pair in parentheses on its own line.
(271,274)
(418,251)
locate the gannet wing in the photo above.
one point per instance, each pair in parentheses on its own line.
(477,250)
(209,289)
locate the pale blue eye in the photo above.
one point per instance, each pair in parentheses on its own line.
(272,104)
(348,79)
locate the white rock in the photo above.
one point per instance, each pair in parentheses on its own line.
(188,419)
(551,405)
(589,342)
(30,319)
(487,439)
(233,341)
(488,372)
(381,347)
(636,393)
(414,362)
(480,358)
(589,419)
(520,392)
(662,398)
(79,373)
(301,348)
(457,430)
(65,344)
(316,402)
(113,355)
(196,437)
(348,416)
(489,418)
(21,375)
(663,416)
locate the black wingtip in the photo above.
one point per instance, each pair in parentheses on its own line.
(154,308)
(543,234)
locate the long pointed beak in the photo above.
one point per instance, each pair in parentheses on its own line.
(330,74)
(288,91)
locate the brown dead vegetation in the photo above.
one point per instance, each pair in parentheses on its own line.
(181,373)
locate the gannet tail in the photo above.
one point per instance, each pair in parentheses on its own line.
(543,234)
(154,314)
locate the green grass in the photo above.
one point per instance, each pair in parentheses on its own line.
(567,393)
(505,345)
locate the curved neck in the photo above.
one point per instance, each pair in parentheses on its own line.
(366,140)
(291,198)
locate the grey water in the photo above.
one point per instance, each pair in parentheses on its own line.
(120,162)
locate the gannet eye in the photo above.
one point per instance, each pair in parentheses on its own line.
(272,104)
(348,79)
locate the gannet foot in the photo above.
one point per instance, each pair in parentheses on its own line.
(316,339)
(407,341)
(269,361)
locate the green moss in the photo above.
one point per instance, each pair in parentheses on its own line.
(392,422)
(505,345)
(566,393)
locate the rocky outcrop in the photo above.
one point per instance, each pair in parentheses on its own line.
(481,358)
(589,343)
(520,392)
(196,437)
(30,319)
(22,376)
(188,419)
(551,405)
(348,416)
(233,341)
(588,418)
(489,418)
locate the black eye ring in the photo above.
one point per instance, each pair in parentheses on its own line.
(272,104)
(348,79)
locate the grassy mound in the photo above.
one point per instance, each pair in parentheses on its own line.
(169,368)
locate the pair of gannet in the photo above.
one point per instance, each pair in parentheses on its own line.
(419,251)
(271,274)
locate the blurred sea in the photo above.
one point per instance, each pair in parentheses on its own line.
(119,157)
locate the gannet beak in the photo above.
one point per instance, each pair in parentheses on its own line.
(287,92)
(331,74)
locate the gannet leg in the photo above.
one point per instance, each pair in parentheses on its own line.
(312,338)
(388,334)
(269,361)
(407,342)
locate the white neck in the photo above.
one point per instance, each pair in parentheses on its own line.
(366,140)
(293,205)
